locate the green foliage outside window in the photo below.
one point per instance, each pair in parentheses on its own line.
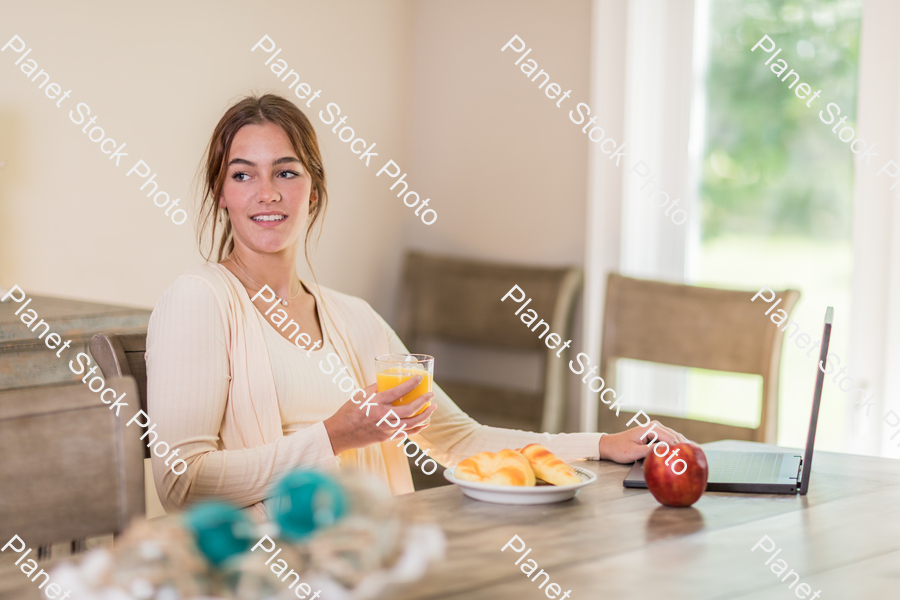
(771,167)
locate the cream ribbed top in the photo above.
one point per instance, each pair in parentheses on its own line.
(244,406)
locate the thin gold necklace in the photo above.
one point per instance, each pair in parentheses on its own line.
(284,302)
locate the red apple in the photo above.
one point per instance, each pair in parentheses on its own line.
(674,484)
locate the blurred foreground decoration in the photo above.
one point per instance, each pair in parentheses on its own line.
(342,535)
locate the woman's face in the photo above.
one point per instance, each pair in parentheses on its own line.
(266,190)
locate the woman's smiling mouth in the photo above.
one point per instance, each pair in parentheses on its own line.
(269,219)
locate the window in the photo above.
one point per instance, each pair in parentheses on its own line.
(769,187)
(776,185)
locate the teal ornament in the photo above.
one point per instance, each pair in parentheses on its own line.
(220,530)
(305,501)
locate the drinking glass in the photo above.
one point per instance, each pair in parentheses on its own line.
(393,369)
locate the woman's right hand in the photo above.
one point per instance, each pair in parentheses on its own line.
(351,427)
(633,444)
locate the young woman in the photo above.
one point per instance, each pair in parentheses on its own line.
(237,396)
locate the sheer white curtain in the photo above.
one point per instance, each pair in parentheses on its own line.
(604,211)
(643,75)
(875,321)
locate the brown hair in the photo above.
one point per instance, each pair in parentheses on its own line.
(256,110)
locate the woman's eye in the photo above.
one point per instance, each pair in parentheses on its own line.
(237,176)
(289,174)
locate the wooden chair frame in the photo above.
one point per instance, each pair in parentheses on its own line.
(490,327)
(697,327)
(56,502)
(122,355)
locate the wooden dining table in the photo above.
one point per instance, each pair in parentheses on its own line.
(842,537)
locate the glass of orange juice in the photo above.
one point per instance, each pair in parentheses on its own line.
(393,369)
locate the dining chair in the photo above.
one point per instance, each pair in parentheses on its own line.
(691,326)
(71,468)
(122,355)
(445,299)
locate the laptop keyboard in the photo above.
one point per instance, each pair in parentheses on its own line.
(746,467)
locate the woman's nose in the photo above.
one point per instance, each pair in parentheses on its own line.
(268,192)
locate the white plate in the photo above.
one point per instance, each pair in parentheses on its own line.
(515,494)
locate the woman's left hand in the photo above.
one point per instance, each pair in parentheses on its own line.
(627,446)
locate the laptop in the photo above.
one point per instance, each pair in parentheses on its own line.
(761,472)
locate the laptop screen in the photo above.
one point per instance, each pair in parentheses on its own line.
(817,397)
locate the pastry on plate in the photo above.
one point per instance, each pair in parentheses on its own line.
(506,467)
(548,467)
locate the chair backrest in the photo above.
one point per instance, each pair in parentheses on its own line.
(459,300)
(694,327)
(122,355)
(71,468)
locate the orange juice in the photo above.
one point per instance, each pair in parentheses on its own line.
(394,376)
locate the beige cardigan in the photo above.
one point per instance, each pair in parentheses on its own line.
(234,445)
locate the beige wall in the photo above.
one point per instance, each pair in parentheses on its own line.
(505,165)
(159,77)
(504,168)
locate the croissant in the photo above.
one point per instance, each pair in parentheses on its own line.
(548,467)
(506,467)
